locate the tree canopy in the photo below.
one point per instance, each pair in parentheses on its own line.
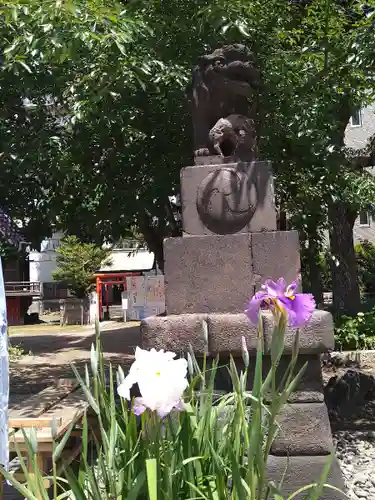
(94,123)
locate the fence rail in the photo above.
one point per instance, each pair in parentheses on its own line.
(17,288)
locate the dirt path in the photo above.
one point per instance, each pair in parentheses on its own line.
(52,351)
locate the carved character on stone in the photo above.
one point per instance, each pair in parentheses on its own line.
(224,85)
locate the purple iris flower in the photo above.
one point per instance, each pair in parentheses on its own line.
(280,296)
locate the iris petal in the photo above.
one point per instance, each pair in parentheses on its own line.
(299,307)
(292,287)
(252,311)
(275,289)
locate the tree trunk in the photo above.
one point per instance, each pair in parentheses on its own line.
(154,239)
(154,234)
(282,222)
(345,288)
(315,274)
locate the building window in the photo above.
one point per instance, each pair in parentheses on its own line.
(364,219)
(356,118)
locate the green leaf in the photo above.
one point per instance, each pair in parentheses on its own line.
(61,445)
(26,66)
(152,478)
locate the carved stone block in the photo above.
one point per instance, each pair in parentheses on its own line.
(275,255)
(304,430)
(225,332)
(218,273)
(227,198)
(202,274)
(173,333)
(297,472)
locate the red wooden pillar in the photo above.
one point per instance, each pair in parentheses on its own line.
(100,297)
(106,300)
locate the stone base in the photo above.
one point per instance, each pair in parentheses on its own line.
(208,274)
(304,441)
(225,332)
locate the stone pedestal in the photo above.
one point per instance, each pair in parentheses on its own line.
(229,247)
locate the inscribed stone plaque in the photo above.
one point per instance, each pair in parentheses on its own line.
(227,198)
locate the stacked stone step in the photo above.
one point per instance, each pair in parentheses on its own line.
(229,247)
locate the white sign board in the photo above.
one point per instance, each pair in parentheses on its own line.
(124,301)
(145,296)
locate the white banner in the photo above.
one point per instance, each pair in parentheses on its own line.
(4,375)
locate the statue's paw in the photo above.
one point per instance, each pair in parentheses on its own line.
(202,152)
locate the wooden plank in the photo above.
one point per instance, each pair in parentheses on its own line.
(70,410)
(37,422)
(37,404)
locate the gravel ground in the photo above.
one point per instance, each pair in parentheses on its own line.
(356,452)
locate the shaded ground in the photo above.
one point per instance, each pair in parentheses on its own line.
(355,408)
(53,349)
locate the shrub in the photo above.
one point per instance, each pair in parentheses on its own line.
(15,352)
(76,264)
(357,332)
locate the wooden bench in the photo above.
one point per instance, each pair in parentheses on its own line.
(61,406)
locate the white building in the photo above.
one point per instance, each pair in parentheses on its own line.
(125,258)
(43,263)
(360,129)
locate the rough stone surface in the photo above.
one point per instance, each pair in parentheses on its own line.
(275,254)
(225,332)
(214,160)
(357,359)
(316,336)
(226,199)
(304,430)
(303,470)
(173,333)
(202,274)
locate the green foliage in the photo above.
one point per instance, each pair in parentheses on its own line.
(357,332)
(216,449)
(76,264)
(326,262)
(94,123)
(365,254)
(8,252)
(88,138)
(15,352)
(107,107)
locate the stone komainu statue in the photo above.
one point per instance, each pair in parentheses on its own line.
(222,103)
